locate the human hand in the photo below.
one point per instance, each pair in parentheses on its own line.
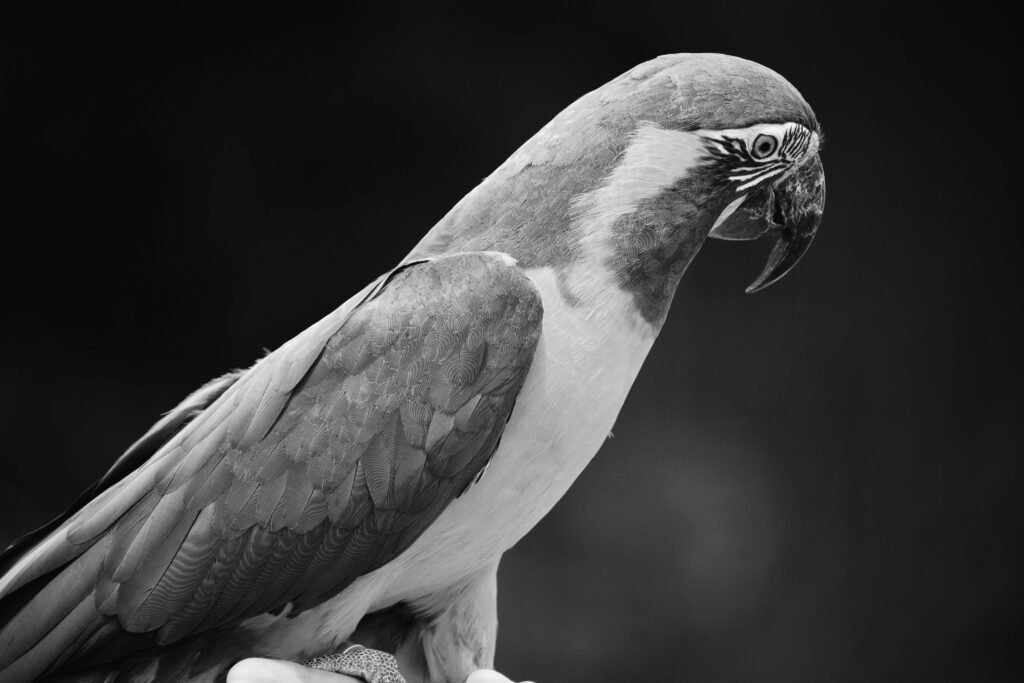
(257,670)
(488,676)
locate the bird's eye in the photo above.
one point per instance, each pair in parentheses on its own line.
(764,146)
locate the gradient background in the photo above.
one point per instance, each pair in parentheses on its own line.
(816,483)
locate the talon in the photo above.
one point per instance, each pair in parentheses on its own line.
(373,666)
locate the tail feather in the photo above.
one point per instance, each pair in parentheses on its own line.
(49,578)
(137,453)
(50,650)
(51,606)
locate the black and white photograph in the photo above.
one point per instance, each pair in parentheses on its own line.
(510,343)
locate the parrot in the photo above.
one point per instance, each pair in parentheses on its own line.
(345,502)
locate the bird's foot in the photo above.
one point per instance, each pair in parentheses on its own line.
(373,666)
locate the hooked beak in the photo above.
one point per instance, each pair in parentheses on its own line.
(790,210)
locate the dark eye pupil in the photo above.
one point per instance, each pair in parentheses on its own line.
(764,145)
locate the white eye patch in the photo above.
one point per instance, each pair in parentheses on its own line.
(791,137)
(762,151)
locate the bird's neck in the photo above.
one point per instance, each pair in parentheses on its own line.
(628,215)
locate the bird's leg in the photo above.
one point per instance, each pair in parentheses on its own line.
(461,636)
(373,666)
(385,646)
(456,640)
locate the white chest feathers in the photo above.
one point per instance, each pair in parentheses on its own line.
(584,365)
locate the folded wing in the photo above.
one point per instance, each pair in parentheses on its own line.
(321,463)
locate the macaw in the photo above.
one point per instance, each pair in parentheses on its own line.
(360,484)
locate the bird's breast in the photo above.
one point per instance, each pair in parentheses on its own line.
(584,365)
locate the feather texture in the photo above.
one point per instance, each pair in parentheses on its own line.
(320,464)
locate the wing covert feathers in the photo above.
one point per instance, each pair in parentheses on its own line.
(321,463)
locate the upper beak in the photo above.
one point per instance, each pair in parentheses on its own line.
(800,199)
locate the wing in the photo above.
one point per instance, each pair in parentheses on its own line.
(136,455)
(323,462)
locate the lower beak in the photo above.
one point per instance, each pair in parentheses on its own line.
(800,200)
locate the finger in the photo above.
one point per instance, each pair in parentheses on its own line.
(257,670)
(488,676)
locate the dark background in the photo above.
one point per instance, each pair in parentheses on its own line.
(816,483)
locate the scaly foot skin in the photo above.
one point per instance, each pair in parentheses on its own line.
(372,666)
(275,671)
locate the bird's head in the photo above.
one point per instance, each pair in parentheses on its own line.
(734,134)
(638,173)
